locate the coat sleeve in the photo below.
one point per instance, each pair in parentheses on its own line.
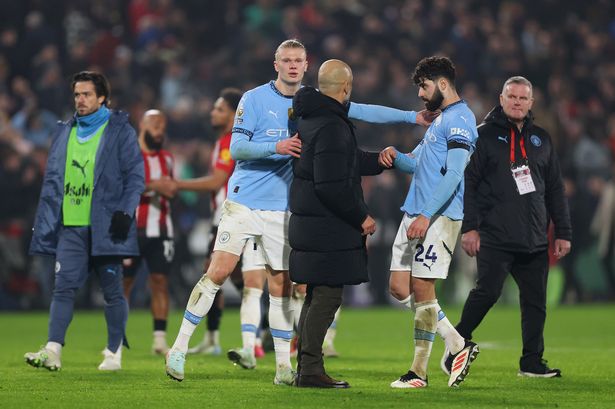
(334,154)
(472,177)
(132,169)
(368,163)
(555,198)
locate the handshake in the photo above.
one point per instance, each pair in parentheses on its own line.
(387,156)
(166,187)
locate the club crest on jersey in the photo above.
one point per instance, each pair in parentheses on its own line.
(535,141)
(224,237)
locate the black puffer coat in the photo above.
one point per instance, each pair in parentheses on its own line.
(326,198)
(505,219)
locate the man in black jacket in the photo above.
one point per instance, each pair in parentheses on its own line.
(330,220)
(513,188)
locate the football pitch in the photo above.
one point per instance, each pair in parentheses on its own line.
(375,348)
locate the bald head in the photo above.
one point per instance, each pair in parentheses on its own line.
(335,80)
(152,130)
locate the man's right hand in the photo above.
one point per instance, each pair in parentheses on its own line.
(387,157)
(368,226)
(290,146)
(425,117)
(470,242)
(167,187)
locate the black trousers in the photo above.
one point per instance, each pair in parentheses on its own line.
(317,314)
(530,273)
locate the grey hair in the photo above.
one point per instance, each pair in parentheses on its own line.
(517,80)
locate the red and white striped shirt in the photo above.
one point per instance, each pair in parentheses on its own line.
(221,159)
(154,211)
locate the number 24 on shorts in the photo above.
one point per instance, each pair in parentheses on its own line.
(430,255)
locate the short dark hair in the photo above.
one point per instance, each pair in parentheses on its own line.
(432,68)
(232,96)
(101,85)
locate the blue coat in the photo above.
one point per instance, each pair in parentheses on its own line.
(119,180)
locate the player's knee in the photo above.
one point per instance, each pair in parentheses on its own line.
(399,291)
(158,282)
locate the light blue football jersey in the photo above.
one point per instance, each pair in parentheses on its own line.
(454,128)
(263,115)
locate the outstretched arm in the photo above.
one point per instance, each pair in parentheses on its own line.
(379,114)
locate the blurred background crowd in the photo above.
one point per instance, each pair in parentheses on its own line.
(177,55)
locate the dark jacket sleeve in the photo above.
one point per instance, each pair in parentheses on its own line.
(555,198)
(473,176)
(334,152)
(368,163)
(133,170)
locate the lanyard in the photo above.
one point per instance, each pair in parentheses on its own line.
(512,147)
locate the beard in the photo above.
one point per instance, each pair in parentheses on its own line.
(435,102)
(152,144)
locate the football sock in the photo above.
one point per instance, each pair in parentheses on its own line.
(200,302)
(281,327)
(250,316)
(425,323)
(297,303)
(454,342)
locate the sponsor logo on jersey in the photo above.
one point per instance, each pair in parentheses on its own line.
(460,131)
(503,138)
(278,132)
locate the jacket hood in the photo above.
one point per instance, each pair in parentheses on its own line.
(309,102)
(497,117)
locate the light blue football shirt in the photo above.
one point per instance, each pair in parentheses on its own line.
(264,117)
(454,128)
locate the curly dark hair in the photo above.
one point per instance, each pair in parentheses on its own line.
(101,85)
(232,96)
(432,68)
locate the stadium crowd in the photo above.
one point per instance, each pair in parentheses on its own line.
(177,55)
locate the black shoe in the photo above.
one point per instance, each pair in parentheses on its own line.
(320,381)
(540,370)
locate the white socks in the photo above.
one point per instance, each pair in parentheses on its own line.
(454,342)
(425,322)
(281,326)
(201,299)
(250,316)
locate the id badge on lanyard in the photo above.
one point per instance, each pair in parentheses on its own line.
(521,173)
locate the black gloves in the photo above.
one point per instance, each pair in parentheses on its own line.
(120,225)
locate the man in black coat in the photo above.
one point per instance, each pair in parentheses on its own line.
(330,220)
(513,189)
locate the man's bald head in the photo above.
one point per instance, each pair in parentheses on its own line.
(335,79)
(152,129)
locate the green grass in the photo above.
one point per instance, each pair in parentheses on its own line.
(375,349)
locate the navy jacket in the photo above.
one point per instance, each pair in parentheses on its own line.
(119,180)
